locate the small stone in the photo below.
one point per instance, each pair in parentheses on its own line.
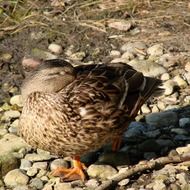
(36,183)
(168,60)
(101,171)
(122,25)
(187,77)
(149,145)
(183,178)
(16,100)
(169,87)
(165,143)
(40,165)
(15,177)
(179,131)
(128,56)
(145,109)
(134,48)
(63,186)
(119,60)
(32,171)
(181,150)
(161,105)
(33,157)
(159,185)
(25,164)
(155,109)
(174,187)
(123,182)
(115,53)
(165,76)
(22,187)
(162,119)
(41,54)
(187,66)
(10,114)
(156,50)
(92,183)
(29,63)
(58,163)
(6,56)
(41,173)
(55,48)
(180,81)
(15,123)
(13,130)
(152,134)
(78,56)
(184,122)
(149,155)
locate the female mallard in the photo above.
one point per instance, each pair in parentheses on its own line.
(70,111)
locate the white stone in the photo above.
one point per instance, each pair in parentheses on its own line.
(16,100)
(11,114)
(128,56)
(55,48)
(169,87)
(122,25)
(78,56)
(25,164)
(32,171)
(156,50)
(145,109)
(180,81)
(33,157)
(115,53)
(40,165)
(15,177)
(58,163)
(187,66)
(165,76)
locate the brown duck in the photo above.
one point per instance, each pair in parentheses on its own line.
(70,111)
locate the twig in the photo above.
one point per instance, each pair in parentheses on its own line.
(148,165)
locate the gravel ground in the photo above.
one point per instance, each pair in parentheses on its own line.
(155,44)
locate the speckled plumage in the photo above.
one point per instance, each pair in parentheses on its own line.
(93,107)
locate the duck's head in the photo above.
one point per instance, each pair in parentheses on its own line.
(49,76)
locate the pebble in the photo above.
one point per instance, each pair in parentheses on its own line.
(187,76)
(127,56)
(180,81)
(16,100)
(55,48)
(156,50)
(123,182)
(78,56)
(179,131)
(41,54)
(181,150)
(165,76)
(152,134)
(134,47)
(145,109)
(187,66)
(183,178)
(115,53)
(32,171)
(36,183)
(25,164)
(122,25)
(15,177)
(169,87)
(155,109)
(58,163)
(40,165)
(149,145)
(101,171)
(167,60)
(33,157)
(11,114)
(120,60)
(92,183)
(184,122)
(162,119)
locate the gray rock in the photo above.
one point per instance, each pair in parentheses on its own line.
(162,119)
(33,157)
(101,171)
(40,165)
(165,143)
(152,134)
(92,183)
(147,67)
(187,76)
(179,131)
(120,60)
(159,185)
(15,177)
(25,164)
(181,138)
(41,173)
(32,171)
(41,54)
(149,145)
(123,182)
(36,183)
(184,122)
(58,163)
(156,50)
(149,155)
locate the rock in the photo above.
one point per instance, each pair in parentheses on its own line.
(156,50)
(41,173)
(147,67)
(40,165)
(78,56)
(92,184)
(15,177)
(165,143)
(149,145)
(159,185)
(155,109)
(32,171)
(187,76)
(114,158)
(115,53)
(165,76)
(128,56)
(168,60)
(16,100)
(122,25)
(8,162)
(58,163)
(22,187)
(55,48)
(181,138)
(41,54)
(29,63)
(145,109)
(11,114)
(15,123)
(162,119)
(123,182)
(179,131)
(36,183)
(181,150)
(180,81)
(183,178)
(6,56)
(101,171)
(149,155)
(187,66)
(33,157)
(184,122)
(152,134)
(174,187)
(161,105)
(119,60)
(25,164)
(169,87)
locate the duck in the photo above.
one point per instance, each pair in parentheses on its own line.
(70,111)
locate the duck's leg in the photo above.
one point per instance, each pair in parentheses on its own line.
(116,144)
(71,174)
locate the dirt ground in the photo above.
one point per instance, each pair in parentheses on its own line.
(25,25)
